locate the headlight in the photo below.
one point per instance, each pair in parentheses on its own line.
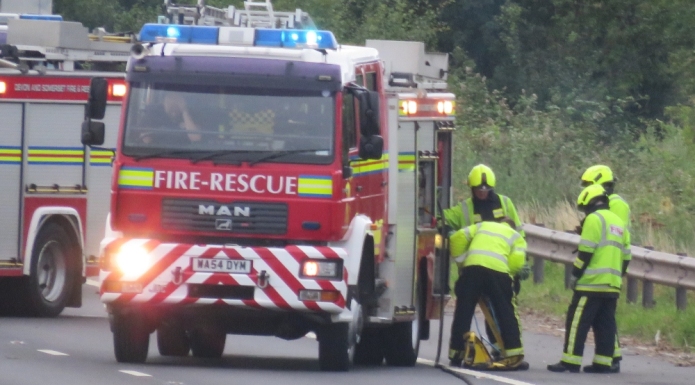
(321,269)
(132,259)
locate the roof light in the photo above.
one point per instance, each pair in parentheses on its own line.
(289,38)
(178,33)
(3,88)
(285,38)
(42,17)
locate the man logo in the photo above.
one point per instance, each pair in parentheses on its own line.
(228,211)
(223,224)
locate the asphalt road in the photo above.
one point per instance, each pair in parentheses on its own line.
(76,349)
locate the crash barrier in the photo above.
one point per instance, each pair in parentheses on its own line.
(648,266)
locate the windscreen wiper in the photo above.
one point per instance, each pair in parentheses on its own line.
(217,154)
(279,154)
(165,153)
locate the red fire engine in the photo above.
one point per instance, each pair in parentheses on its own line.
(269,181)
(53,202)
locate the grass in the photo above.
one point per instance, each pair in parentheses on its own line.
(675,328)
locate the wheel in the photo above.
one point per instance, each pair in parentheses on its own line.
(52,272)
(335,351)
(337,341)
(207,343)
(370,349)
(403,340)
(172,339)
(131,339)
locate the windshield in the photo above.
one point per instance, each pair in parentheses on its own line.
(229,124)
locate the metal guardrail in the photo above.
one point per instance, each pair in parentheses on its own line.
(648,266)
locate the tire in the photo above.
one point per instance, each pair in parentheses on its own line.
(131,340)
(172,340)
(208,343)
(336,352)
(403,340)
(370,349)
(53,272)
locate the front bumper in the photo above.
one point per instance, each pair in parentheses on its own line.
(169,279)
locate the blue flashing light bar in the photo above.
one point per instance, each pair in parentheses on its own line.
(42,17)
(179,33)
(284,38)
(295,38)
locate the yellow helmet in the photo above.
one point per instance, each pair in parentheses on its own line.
(481,176)
(589,194)
(598,174)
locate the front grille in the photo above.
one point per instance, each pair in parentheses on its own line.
(220,291)
(228,217)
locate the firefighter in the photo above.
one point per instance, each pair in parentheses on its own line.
(604,253)
(603,175)
(488,254)
(486,205)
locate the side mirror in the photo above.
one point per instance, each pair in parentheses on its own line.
(92,133)
(371,147)
(369,113)
(96,107)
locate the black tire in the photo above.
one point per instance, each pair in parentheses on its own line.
(399,347)
(131,339)
(403,338)
(335,352)
(370,350)
(53,272)
(207,343)
(172,339)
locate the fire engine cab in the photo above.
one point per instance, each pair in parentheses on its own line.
(53,204)
(270,181)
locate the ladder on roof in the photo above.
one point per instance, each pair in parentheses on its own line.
(256,14)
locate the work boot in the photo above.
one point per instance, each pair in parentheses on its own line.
(523,366)
(602,369)
(455,362)
(564,367)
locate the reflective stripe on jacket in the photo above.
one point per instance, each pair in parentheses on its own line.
(463,214)
(493,245)
(604,235)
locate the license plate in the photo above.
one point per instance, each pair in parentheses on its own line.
(218,265)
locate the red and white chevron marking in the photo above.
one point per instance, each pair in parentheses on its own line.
(281,264)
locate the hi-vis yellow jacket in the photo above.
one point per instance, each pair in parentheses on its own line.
(605,236)
(489,244)
(463,214)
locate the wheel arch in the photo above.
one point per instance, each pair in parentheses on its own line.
(358,237)
(66,217)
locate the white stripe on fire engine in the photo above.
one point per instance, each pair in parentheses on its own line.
(276,281)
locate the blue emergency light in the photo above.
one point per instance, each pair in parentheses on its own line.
(179,33)
(285,38)
(293,38)
(42,17)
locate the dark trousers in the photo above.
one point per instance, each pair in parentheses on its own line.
(588,311)
(488,330)
(475,282)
